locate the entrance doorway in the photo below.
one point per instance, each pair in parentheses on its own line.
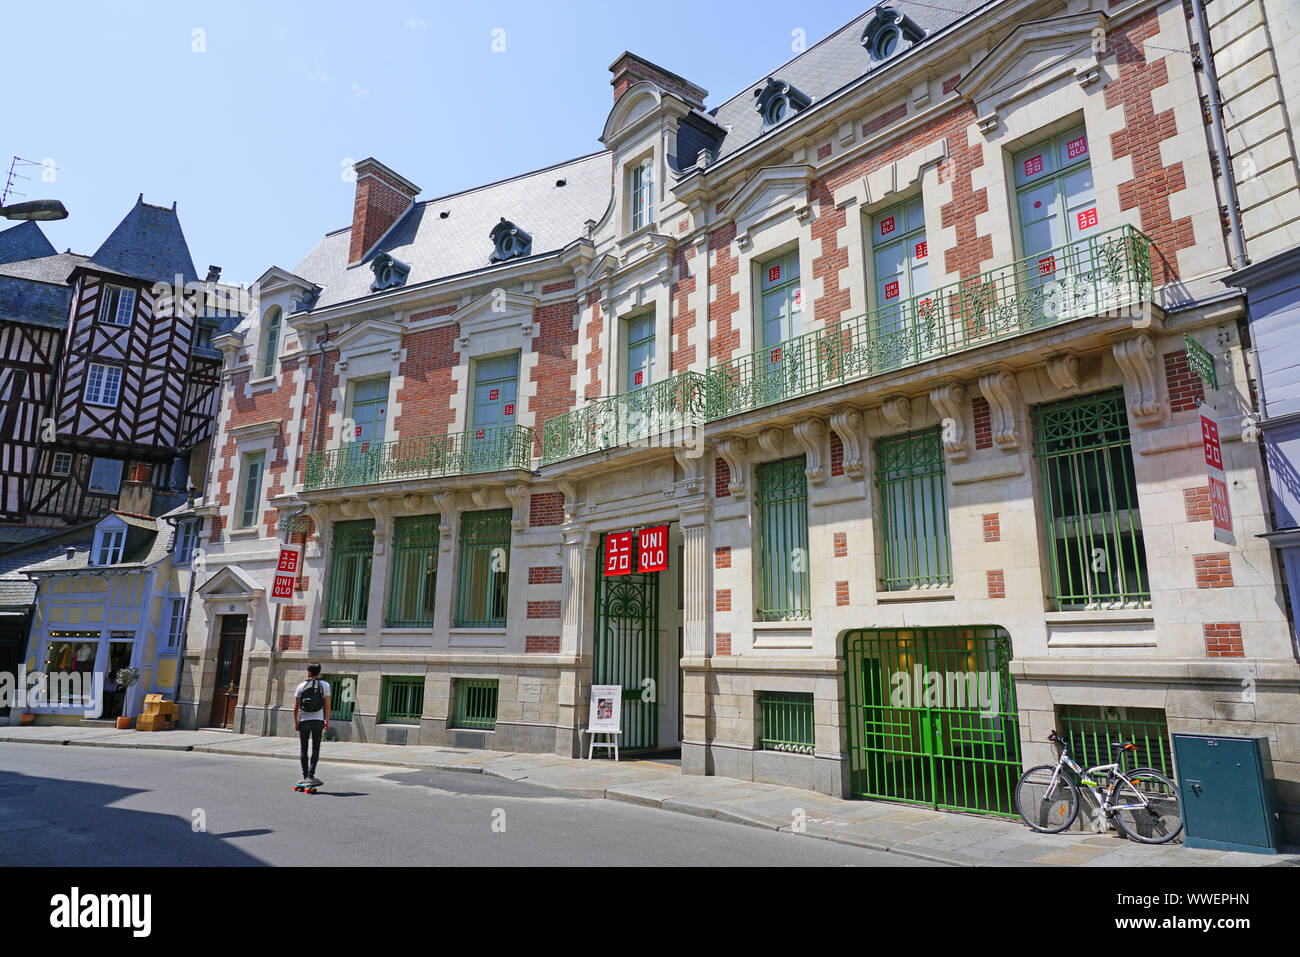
(230,660)
(119,656)
(932,718)
(632,650)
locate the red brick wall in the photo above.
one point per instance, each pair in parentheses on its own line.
(545,575)
(542,645)
(554,341)
(997,584)
(721,478)
(983,423)
(722,643)
(878,123)
(837,454)
(424,401)
(595,327)
(722,599)
(841,544)
(543,609)
(1185,386)
(992,527)
(722,556)
(723,311)
(545,508)
(841,593)
(378,203)
(683,317)
(1213,570)
(1196,502)
(1223,639)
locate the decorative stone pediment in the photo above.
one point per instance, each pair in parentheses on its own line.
(1034,55)
(231,583)
(638,102)
(368,337)
(500,310)
(774,192)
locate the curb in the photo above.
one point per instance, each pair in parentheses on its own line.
(672,805)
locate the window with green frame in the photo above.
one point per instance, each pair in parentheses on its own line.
(484,569)
(475,704)
(343,696)
(913,511)
(1090,503)
(785,721)
(250,495)
(352,551)
(781,502)
(414,573)
(401,699)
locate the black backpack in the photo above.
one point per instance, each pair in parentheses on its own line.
(312,698)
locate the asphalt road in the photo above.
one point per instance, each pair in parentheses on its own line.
(100,806)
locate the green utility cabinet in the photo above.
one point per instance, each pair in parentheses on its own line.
(1226,793)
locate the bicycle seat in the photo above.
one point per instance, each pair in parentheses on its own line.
(1123,746)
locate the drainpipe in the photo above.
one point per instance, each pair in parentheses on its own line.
(1239,260)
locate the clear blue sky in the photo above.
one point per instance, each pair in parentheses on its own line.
(250,136)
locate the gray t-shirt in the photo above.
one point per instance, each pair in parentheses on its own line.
(304,715)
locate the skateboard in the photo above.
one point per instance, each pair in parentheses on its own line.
(307,788)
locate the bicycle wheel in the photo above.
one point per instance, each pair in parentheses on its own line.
(1157,822)
(1045,806)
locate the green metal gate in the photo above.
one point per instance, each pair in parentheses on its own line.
(932,718)
(627,650)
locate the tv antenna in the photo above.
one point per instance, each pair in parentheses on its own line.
(14,174)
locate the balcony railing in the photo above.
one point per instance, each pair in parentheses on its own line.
(622,419)
(426,456)
(1101,274)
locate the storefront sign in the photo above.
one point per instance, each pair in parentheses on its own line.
(606,715)
(286,575)
(1220,510)
(618,553)
(653,553)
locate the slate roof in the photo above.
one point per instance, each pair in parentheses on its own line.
(148,244)
(52,269)
(36,303)
(24,241)
(147,542)
(435,248)
(829,65)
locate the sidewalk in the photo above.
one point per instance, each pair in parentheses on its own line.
(949,838)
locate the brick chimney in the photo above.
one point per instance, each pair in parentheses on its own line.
(630,68)
(136,494)
(383,197)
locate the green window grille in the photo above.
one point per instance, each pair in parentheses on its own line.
(343,696)
(401,700)
(1094,527)
(475,704)
(349,585)
(914,511)
(484,569)
(415,571)
(1091,730)
(781,499)
(785,721)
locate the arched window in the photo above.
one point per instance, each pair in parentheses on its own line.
(643,194)
(270,340)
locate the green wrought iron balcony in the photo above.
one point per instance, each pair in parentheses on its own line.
(1102,274)
(652,410)
(427,456)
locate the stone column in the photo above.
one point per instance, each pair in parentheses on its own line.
(697,579)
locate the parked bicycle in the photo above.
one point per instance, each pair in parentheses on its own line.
(1143,802)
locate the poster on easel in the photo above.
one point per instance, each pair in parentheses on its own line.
(606,715)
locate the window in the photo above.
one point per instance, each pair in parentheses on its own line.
(415,571)
(1094,526)
(484,569)
(777,99)
(352,552)
(250,500)
(343,695)
(901,257)
(176,624)
(781,500)
(363,450)
(643,194)
(401,700)
(62,464)
(475,704)
(187,537)
(64,657)
(491,442)
(914,511)
(1055,196)
(782,299)
(640,351)
(109,545)
(103,384)
(785,721)
(270,341)
(117,305)
(106,476)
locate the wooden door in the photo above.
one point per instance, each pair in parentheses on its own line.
(230,660)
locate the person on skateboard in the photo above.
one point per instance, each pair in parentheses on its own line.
(311,718)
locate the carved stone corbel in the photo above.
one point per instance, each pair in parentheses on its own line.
(897,412)
(732,449)
(480,496)
(1137,362)
(769,440)
(350,508)
(690,462)
(413,504)
(1063,370)
(950,400)
(446,511)
(811,434)
(518,496)
(1000,389)
(847,423)
(379,509)
(570,498)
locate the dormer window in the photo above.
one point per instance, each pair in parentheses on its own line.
(642,194)
(389,272)
(109,545)
(270,341)
(775,100)
(890,32)
(509,242)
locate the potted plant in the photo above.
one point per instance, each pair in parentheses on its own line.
(125,678)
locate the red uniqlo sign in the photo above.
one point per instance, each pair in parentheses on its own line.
(887,225)
(652,555)
(922,250)
(1088,218)
(510,408)
(1047,265)
(1220,510)
(1034,165)
(1210,439)
(1219,507)
(1076,148)
(618,553)
(492,394)
(286,574)
(891,290)
(773,273)
(776,355)
(638,378)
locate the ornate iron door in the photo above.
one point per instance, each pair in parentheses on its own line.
(627,650)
